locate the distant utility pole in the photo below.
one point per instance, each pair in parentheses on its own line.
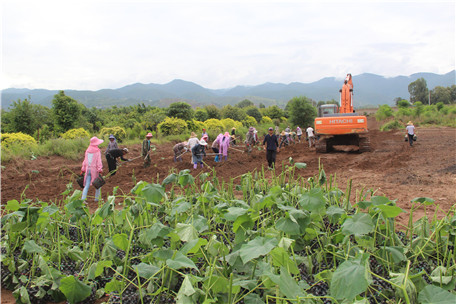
(429,97)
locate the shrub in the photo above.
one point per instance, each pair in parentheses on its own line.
(249,121)
(403,103)
(229,123)
(43,134)
(172,126)
(214,127)
(16,138)
(118,132)
(195,126)
(266,120)
(75,133)
(391,125)
(383,112)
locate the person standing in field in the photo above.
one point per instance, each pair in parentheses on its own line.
(224,145)
(92,166)
(310,136)
(410,132)
(179,149)
(198,151)
(145,150)
(112,159)
(233,136)
(216,147)
(299,133)
(250,140)
(271,145)
(112,144)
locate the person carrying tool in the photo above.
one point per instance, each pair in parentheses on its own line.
(216,147)
(233,136)
(410,132)
(299,133)
(250,140)
(198,151)
(146,149)
(112,159)
(283,139)
(112,144)
(179,149)
(92,166)
(271,145)
(224,145)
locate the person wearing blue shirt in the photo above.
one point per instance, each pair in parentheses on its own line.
(271,145)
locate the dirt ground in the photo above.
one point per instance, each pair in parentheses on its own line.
(392,169)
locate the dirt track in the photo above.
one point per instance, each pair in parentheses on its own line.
(392,169)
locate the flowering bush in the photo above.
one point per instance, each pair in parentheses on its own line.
(20,138)
(172,126)
(75,133)
(118,132)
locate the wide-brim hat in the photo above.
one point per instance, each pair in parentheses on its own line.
(203,142)
(111,136)
(95,141)
(227,134)
(410,123)
(233,128)
(149,134)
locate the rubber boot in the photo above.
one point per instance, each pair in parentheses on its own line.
(195,165)
(202,165)
(216,158)
(226,158)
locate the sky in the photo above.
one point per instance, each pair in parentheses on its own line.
(91,45)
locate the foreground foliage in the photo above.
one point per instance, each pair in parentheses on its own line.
(254,240)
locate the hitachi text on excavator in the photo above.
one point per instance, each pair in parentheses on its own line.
(341,126)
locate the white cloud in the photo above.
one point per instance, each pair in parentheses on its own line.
(101,44)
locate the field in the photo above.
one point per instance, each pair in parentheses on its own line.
(392,169)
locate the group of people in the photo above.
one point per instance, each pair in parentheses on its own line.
(288,137)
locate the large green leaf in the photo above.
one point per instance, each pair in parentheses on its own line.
(121,241)
(234,212)
(153,193)
(390,211)
(146,270)
(74,290)
(359,224)
(257,247)
(288,226)
(180,261)
(423,200)
(436,295)
(280,258)
(31,247)
(313,201)
(287,284)
(350,279)
(172,178)
(186,232)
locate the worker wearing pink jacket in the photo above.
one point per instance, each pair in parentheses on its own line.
(224,145)
(92,166)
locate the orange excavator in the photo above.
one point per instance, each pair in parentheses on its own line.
(341,126)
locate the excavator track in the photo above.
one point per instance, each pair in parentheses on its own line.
(321,146)
(364,144)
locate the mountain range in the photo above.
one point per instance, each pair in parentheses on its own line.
(369,90)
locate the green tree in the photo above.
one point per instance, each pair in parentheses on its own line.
(254,112)
(201,115)
(234,113)
(180,110)
(213,112)
(273,112)
(244,104)
(403,103)
(441,94)
(66,112)
(301,111)
(418,91)
(261,105)
(21,117)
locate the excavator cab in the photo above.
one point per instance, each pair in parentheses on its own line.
(327,109)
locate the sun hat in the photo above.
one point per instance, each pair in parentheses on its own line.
(125,149)
(149,134)
(233,128)
(205,136)
(111,136)
(251,129)
(203,142)
(410,123)
(185,143)
(227,134)
(95,141)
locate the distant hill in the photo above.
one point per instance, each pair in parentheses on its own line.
(369,90)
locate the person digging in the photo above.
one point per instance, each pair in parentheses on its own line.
(198,151)
(112,159)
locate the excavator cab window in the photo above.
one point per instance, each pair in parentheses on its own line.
(327,109)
